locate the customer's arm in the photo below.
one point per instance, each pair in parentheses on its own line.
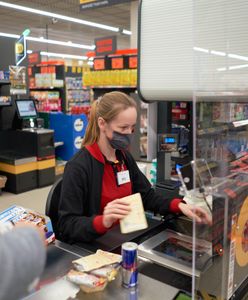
(22,259)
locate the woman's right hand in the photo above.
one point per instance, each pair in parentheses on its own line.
(115,210)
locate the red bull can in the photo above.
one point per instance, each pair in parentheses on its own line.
(129,264)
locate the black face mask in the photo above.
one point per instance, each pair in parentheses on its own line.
(120,141)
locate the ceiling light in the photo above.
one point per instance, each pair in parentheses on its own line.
(201,49)
(55,42)
(220,53)
(238,56)
(48,41)
(233,67)
(128,32)
(61,17)
(29,51)
(222,69)
(238,67)
(14,36)
(63,55)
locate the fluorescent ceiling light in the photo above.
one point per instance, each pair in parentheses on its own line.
(61,55)
(220,53)
(233,67)
(14,36)
(128,32)
(48,41)
(238,57)
(238,67)
(201,49)
(54,42)
(222,69)
(58,16)
(52,54)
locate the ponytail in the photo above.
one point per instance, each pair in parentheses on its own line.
(92,131)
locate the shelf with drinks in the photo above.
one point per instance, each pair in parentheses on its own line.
(222,132)
(3,82)
(111,79)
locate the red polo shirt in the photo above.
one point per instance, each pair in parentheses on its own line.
(111,190)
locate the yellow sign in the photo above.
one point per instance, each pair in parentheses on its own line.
(241,239)
(86,1)
(19,48)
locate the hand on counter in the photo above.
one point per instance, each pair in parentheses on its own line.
(29,225)
(194,212)
(114,211)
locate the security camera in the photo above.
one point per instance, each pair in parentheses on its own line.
(54,20)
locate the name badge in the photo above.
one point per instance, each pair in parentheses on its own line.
(123,177)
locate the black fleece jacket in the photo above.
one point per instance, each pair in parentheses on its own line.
(81,195)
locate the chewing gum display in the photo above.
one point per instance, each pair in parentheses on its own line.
(17,214)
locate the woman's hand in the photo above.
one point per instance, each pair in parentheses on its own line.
(115,210)
(194,212)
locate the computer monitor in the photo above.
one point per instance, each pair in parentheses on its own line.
(26,109)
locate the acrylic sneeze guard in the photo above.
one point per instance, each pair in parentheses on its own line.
(198,51)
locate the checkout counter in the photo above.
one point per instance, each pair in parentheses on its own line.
(155,281)
(175,255)
(27,153)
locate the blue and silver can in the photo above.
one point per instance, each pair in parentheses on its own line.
(129,264)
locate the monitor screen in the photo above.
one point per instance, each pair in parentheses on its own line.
(170,140)
(26,108)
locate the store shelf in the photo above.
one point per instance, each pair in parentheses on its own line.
(76,89)
(46,88)
(5,104)
(113,87)
(3,82)
(217,130)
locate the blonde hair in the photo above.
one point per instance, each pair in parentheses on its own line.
(107,107)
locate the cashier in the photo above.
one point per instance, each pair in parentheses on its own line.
(104,171)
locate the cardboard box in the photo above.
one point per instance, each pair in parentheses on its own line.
(16,214)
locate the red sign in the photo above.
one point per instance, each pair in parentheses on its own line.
(105,45)
(133,62)
(99,64)
(34,58)
(117,63)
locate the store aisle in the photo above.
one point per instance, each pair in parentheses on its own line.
(35,199)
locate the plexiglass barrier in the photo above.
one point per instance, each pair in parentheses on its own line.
(220,163)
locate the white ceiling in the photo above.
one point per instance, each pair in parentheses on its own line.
(14,21)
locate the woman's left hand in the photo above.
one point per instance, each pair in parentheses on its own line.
(194,212)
